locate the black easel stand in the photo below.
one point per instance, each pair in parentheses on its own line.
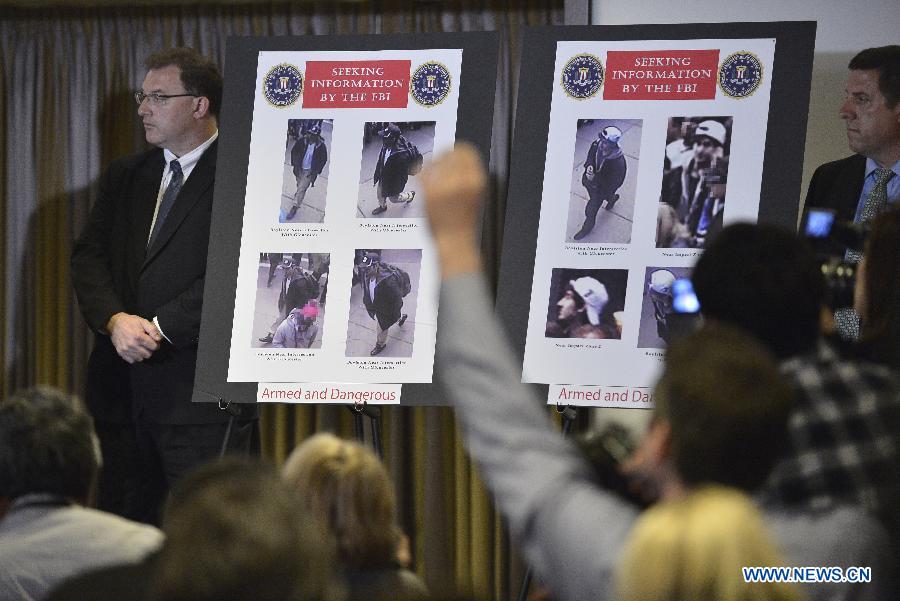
(233,412)
(569,414)
(373,412)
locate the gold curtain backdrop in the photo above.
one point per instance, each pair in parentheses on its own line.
(66,111)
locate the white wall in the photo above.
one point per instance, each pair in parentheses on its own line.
(843,29)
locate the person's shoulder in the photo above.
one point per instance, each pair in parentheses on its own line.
(856,365)
(828,376)
(841,534)
(851,163)
(138,158)
(105,530)
(112,521)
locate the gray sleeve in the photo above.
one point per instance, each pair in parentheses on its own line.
(278,339)
(843,536)
(571,530)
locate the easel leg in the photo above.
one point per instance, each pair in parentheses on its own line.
(227,436)
(233,411)
(373,412)
(358,423)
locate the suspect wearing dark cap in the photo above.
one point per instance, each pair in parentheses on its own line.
(391,132)
(371,259)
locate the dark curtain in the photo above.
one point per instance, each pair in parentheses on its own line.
(66,111)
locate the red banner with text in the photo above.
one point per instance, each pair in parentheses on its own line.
(661,75)
(356,84)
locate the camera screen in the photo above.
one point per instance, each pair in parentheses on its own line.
(684,300)
(818,223)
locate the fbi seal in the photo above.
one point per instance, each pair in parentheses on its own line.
(740,74)
(430,84)
(582,76)
(283,85)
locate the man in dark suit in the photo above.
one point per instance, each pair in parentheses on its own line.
(872,114)
(861,186)
(138,270)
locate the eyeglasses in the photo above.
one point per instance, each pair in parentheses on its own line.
(156,98)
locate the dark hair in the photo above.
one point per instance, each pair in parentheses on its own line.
(880,330)
(235,531)
(765,280)
(199,75)
(47,445)
(727,407)
(886,59)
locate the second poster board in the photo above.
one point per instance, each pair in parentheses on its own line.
(633,146)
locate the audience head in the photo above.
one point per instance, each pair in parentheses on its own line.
(765,280)
(694,548)
(877,294)
(47,445)
(348,488)
(199,75)
(724,407)
(235,531)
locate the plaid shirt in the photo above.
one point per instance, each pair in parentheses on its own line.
(844,436)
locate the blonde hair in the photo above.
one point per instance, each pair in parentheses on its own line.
(345,486)
(694,548)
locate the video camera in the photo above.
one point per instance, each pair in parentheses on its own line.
(605,450)
(833,238)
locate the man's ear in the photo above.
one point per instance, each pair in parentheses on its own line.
(202,108)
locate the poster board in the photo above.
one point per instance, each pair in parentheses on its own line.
(633,144)
(309,126)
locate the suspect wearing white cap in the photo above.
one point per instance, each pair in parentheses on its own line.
(712,130)
(594,295)
(661,282)
(611,134)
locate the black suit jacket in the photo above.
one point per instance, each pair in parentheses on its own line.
(113,271)
(837,185)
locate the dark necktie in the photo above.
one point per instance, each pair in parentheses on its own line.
(847,320)
(168,200)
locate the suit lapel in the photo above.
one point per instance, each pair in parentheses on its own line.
(146,191)
(200,180)
(850,183)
